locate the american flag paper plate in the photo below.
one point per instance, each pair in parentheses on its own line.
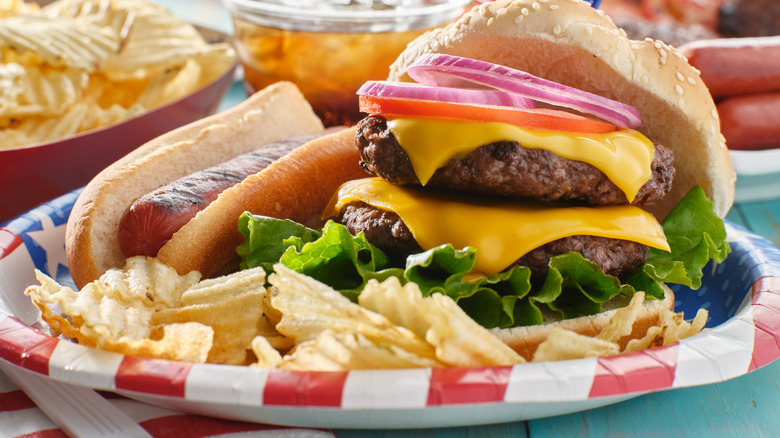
(742,296)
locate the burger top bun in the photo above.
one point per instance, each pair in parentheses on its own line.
(569,42)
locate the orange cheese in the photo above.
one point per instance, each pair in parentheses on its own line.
(624,155)
(501,232)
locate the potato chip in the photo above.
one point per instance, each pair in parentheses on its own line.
(231,305)
(188,342)
(309,307)
(562,344)
(267,329)
(120,304)
(33,91)
(60,43)
(267,356)
(622,322)
(14,7)
(332,351)
(148,309)
(400,304)
(654,337)
(77,65)
(458,339)
(234,320)
(171,85)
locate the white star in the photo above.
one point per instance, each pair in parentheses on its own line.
(52,239)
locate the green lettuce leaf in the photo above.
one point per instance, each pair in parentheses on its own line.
(695,234)
(573,287)
(267,238)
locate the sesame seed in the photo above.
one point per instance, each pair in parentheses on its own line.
(680,77)
(536,6)
(634,46)
(553,7)
(490,21)
(589,30)
(714,114)
(557,29)
(518,19)
(691,81)
(681,103)
(524,11)
(678,89)
(501,11)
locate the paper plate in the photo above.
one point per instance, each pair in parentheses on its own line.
(742,296)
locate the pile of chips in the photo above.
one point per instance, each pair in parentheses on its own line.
(297,323)
(76,65)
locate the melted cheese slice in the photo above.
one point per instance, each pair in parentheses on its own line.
(500,232)
(624,156)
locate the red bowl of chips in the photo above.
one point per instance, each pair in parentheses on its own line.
(173,95)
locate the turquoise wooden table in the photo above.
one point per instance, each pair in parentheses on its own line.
(746,406)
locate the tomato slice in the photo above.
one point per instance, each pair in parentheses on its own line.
(536,118)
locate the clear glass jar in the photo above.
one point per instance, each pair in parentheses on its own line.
(329,48)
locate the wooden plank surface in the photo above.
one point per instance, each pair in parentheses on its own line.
(746,406)
(762,218)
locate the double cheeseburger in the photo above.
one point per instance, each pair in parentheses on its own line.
(617,134)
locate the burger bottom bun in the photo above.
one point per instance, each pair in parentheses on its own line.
(525,340)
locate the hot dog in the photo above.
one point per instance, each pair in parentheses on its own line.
(750,122)
(736,66)
(277,112)
(153,218)
(296,187)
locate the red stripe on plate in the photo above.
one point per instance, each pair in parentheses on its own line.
(192,426)
(766,318)
(153,376)
(23,346)
(645,370)
(468,385)
(15,401)
(297,388)
(9,241)
(48,433)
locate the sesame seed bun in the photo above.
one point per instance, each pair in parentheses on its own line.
(570,42)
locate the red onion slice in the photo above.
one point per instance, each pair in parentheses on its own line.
(407,90)
(454,71)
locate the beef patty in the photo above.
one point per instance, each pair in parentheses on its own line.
(505,168)
(387,231)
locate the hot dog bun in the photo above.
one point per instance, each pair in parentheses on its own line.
(569,42)
(277,112)
(296,187)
